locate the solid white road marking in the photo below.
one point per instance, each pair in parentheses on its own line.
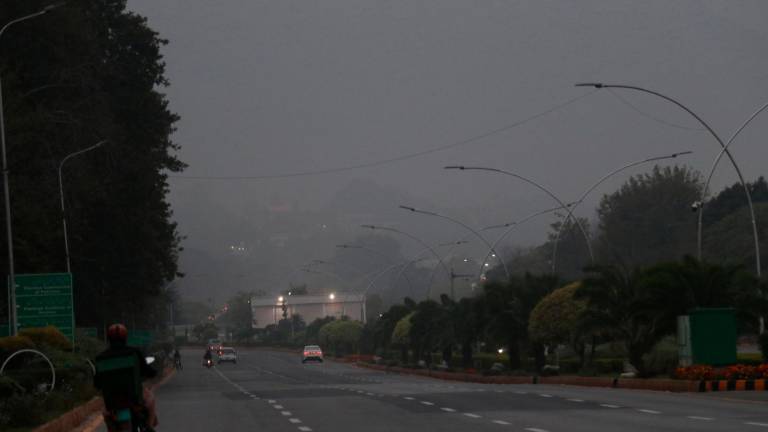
(700,418)
(576,400)
(647,411)
(294,420)
(756,424)
(448,409)
(471,415)
(427,403)
(609,406)
(501,422)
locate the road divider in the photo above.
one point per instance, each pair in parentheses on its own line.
(656,384)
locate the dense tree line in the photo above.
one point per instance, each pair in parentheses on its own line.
(633,309)
(91,71)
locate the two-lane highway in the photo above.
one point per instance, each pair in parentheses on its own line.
(272,391)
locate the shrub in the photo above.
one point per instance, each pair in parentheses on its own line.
(47,337)
(695,372)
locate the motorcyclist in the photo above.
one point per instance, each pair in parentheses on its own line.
(177,358)
(117,334)
(207,356)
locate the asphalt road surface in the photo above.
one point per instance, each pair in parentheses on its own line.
(272,391)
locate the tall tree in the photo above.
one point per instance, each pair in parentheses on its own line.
(649,218)
(95,73)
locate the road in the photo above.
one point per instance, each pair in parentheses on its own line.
(272,391)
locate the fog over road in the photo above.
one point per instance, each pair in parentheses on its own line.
(272,391)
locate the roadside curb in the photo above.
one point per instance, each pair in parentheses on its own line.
(87,417)
(655,384)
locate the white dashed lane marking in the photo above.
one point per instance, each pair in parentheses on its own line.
(545,395)
(756,424)
(448,409)
(305,429)
(408,398)
(576,400)
(294,420)
(501,422)
(609,406)
(700,418)
(277,406)
(536,430)
(647,411)
(472,415)
(286,413)
(427,403)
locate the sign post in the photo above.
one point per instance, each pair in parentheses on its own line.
(45,299)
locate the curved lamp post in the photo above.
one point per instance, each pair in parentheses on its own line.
(719,141)
(705,191)
(375,252)
(540,187)
(6,186)
(412,237)
(61,194)
(598,183)
(512,225)
(465,226)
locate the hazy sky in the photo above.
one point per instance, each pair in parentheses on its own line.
(273,87)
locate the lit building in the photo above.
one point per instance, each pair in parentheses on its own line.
(269,310)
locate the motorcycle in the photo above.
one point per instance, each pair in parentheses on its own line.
(208,363)
(126,415)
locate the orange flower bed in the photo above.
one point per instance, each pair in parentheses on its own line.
(734,372)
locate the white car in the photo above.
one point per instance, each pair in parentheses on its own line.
(227,355)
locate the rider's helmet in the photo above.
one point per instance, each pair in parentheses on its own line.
(117,334)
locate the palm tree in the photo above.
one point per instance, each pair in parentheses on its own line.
(619,306)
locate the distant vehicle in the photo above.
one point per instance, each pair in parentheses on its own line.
(227,355)
(312,352)
(214,344)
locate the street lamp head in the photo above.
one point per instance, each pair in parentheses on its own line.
(590,84)
(461,167)
(53,6)
(281,299)
(373,227)
(674,155)
(407,208)
(332,296)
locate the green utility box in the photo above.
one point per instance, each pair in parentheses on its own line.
(707,336)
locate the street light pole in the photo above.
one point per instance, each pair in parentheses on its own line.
(6,185)
(705,190)
(719,141)
(540,187)
(465,226)
(511,226)
(61,195)
(412,237)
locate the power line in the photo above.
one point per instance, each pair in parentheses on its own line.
(400,158)
(656,119)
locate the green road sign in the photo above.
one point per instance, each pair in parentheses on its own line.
(43,300)
(5,330)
